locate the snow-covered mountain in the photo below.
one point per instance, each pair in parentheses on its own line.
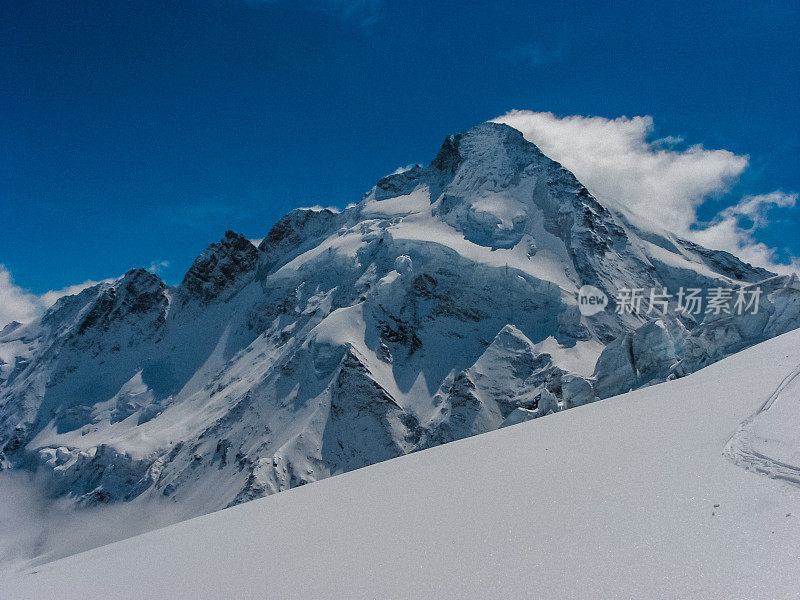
(645,495)
(440,306)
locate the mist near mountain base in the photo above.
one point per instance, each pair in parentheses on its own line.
(36,528)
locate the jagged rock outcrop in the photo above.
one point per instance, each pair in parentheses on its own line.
(219,268)
(300,229)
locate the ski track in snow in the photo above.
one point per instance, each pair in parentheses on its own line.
(739,448)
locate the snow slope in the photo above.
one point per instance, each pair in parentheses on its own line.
(632,497)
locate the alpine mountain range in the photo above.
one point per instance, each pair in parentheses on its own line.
(440,306)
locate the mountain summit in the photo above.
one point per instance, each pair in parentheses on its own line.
(441,305)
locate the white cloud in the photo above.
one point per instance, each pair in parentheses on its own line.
(15,303)
(49,298)
(399,170)
(658,181)
(39,528)
(733,229)
(755,208)
(157,266)
(320,208)
(18,304)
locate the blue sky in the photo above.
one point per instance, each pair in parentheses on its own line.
(134,133)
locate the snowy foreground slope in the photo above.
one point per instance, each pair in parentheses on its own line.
(644,495)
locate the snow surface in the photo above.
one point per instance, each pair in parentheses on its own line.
(637,496)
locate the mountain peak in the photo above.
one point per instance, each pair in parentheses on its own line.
(136,295)
(478,142)
(495,133)
(295,231)
(219,266)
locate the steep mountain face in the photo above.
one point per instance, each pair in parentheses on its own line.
(441,305)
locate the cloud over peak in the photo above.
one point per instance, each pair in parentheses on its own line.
(18,304)
(661,182)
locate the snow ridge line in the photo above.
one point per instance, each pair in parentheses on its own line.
(739,448)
